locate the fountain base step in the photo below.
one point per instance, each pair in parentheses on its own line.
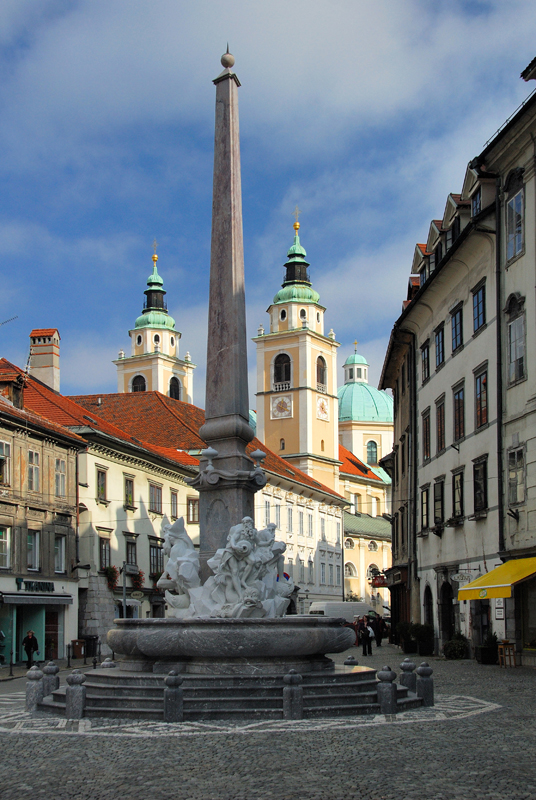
(123,694)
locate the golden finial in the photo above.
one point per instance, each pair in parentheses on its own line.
(355,346)
(296,214)
(155,245)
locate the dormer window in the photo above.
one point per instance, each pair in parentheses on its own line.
(476,202)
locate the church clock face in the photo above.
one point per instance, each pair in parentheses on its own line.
(281,406)
(322,408)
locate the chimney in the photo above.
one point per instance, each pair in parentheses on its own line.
(45,356)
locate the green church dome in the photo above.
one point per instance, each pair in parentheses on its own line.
(359,402)
(296,292)
(155,319)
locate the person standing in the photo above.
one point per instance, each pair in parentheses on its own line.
(30,645)
(364,635)
(379,630)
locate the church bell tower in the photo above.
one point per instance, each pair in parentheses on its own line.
(297,404)
(154,363)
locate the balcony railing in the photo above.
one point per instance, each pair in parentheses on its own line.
(321,387)
(281,387)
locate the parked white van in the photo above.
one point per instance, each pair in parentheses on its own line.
(347,610)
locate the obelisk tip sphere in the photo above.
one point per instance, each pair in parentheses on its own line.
(227,60)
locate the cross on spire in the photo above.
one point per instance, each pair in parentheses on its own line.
(296,213)
(155,245)
(355,346)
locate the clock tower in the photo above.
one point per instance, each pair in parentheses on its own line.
(297,404)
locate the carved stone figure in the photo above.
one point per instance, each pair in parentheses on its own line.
(181,572)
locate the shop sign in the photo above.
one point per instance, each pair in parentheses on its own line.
(34,586)
(137,595)
(462,577)
(379,581)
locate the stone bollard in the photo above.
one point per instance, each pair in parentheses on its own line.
(75,695)
(351,662)
(34,689)
(407,676)
(51,681)
(173,698)
(425,684)
(293,696)
(387,690)
(108,664)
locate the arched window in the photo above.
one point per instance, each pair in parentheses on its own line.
(372,571)
(349,570)
(373,546)
(283,315)
(303,313)
(321,374)
(372,452)
(138,384)
(156,338)
(282,444)
(282,370)
(349,544)
(175,388)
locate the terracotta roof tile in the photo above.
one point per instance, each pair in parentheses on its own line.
(173,423)
(44,332)
(351,465)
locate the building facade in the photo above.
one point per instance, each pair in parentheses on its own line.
(38,526)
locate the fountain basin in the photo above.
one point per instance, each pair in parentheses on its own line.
(226,646)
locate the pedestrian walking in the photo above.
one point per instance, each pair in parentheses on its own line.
(30,645)
(380,629)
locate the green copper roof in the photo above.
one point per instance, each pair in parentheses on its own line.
(297,250)
(154,281)
(298,293)
(155,319)
(359,402)
(355,358)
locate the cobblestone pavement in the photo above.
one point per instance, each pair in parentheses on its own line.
(477,742)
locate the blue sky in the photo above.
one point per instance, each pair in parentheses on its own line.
(365,114)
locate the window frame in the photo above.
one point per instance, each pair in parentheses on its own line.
(5,552)
(155,498)
(519,471)
(456,322)
(425,362)
(105,556)
(425,507)
(35,549)
(458,499)
(102,485)
(439,502)
(34,469)
(440,425)
(156,557)
(192,510)
(458,403)
(439,346)
(426,436)
(513,376)
(481,399)
(174,503)
(59,553)
(480,465)
(5,463)
(479,307)
(129,495)
(515,234)
(60,477)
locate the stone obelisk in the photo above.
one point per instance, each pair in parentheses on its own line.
(228,479)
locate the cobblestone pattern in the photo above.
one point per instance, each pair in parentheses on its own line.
(457,752)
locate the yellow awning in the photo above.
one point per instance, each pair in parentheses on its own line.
(499,582)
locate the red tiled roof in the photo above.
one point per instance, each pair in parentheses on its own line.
(351,465)
(173,423)
(65,413)
(422,248)
(44,332)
